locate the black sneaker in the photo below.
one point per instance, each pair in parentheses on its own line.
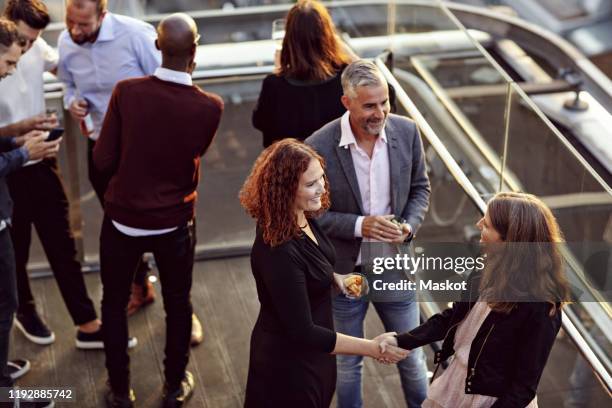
(94,341)
(179,397)
(17,368)
(34,328)
(114,400)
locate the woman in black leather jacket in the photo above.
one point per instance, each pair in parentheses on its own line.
(502,330)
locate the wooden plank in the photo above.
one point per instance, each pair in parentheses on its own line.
(225,298)
(41,357)
(212,360)
(71,366)
(146,369)
(381,384)
(245,314)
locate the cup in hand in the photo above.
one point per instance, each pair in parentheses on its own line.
(356,286)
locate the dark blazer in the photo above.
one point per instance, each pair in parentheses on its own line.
(11,159)
(509,352)
(410,188)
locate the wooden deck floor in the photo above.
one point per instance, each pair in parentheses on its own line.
(225,299)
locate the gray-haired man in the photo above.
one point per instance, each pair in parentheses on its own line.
(376,169)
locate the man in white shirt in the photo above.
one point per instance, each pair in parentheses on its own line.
(37,189)
(14,152)
(376,170)
(97,50)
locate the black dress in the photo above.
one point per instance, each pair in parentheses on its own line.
(290,108)
(290,363)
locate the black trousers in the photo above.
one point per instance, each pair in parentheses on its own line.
(40,200)
(8,302)
(99,183)
(119,255)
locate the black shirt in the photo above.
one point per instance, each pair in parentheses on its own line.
(290,364)
(289,108)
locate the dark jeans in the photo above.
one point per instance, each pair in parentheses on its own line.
(8,302)
(119,255)
(99,182)
(40,200)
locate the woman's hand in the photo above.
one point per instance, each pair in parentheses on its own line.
(389,352)
(339,283)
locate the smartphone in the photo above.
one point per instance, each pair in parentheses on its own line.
(55,134)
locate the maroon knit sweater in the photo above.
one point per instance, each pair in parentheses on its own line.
(153,136)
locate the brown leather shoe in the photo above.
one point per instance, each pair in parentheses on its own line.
(141,296)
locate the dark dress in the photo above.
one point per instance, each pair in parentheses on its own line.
(291,108)
(290,363)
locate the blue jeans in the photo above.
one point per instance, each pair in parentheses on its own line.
(398,316)
(8,301)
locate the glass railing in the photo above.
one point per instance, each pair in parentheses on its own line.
(581,358)
(504,142)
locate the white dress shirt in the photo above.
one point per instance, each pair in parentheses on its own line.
(373,175)
(22,94)
(178,77)
(125,48)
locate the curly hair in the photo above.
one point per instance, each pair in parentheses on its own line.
(269,192)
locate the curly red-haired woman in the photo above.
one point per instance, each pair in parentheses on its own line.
(292,361)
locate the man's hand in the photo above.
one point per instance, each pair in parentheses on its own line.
(38,148)
(78,109)
(380,228)
(38,122)
(20,140)
(406,231)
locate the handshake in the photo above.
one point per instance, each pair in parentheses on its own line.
(387,351)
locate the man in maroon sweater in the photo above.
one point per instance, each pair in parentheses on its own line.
(154,133)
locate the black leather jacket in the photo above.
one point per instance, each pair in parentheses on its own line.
(509,352)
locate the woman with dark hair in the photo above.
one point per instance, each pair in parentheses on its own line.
(304,94)
(292,361)
(502,330)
